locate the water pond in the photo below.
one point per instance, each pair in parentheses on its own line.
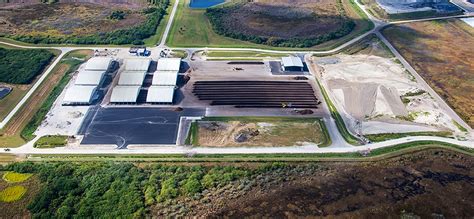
(199,4)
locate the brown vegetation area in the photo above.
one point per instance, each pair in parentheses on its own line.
(429,184)
(441,52)
(285,19)
(65,19)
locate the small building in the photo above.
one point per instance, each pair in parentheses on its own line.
(165,78)
(160,94)
(137,64)
(79,95)
(169,64)
(292,63)
(98,64)
(125,94)
(87,77)
(132,78)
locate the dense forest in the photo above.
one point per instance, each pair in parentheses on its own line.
(18,66)
(119,190)
(133,35)
(216,17)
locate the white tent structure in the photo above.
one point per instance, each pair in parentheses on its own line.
(79,95)
(137,64)
(160,94)
(292,63)
(165,78)
(87,77)
(132,78)
(98,64)
(168,64)
(125,94)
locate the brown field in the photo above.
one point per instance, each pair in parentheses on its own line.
(65,18)
(258,133)
(441,52)
(431,183)
(285,19)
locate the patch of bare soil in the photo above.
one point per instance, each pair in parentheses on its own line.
(431,183)
(65,19)
(272,134)
(285,19)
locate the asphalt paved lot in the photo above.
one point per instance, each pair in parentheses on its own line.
(134,125)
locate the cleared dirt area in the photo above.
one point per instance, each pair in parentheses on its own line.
(259,132)
(375,94)
(441,51)
(62,19)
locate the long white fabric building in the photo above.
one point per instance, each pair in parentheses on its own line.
(125,94)
(160,94)
(87,77)
(137,64)
(292,63)
(79,95)
(168,64)
(98,64)
(132,78)
(165,78)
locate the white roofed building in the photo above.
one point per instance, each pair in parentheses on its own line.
(292,63)
(166,78)
(98,64)
(87,77)
(137,64)
(160,94)
(168,64)
(132,78)
(79,95)
(125,94)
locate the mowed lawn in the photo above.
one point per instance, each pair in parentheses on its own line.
(441,52)
(191,28)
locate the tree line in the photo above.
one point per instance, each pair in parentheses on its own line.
(19,66)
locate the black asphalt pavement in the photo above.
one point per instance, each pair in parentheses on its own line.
(134,125)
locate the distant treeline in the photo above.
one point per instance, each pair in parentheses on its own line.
(133,35)
(216,17)
(18,66)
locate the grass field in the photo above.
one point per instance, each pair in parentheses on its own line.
(248,54)
(389,136)
(51,141)
(156,39)
(258,131)
(438,51)
(191,28)
(12,193)
(13,177)
(32,113)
